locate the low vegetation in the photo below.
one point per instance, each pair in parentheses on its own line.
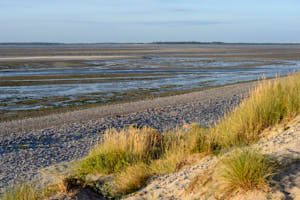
(247,170)
(119,150)
(238,171)
(132,155)
(272,102)
(133,178)
(21,192)
(32,191)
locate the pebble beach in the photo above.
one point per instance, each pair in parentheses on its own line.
(28,145)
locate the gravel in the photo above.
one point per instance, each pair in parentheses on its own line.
(23,153)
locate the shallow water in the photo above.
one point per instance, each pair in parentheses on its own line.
(119,77)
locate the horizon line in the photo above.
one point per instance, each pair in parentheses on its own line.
(156,42)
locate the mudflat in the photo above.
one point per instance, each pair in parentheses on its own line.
(38,80)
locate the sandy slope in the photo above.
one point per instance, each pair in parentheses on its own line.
(285,146)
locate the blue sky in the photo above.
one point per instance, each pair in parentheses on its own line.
(151,20)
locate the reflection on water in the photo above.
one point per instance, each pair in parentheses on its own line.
(151,76)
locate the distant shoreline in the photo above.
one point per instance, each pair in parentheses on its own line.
(52,55)
(173,42)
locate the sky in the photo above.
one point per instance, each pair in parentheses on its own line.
(93,21)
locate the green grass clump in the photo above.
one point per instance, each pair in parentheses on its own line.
(247,170)
(106,162)
(118,150)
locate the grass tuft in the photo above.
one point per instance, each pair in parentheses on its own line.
(119,150)
(133,178)
(177,145)
(32,191)
(247,170)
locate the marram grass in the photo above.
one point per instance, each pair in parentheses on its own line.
(119,150)
(32,191)
(148,152)
(21,192)
(270,103)
(132,178)
(247,170)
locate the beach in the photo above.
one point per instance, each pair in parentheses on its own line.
(29,145)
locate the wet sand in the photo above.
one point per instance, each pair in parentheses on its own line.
(42,80)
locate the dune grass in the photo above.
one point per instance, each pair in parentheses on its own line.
(247,170)
(236,172)
(133,178)
(33,191)
(21,192)
(132,155)
(177,145)
(119,150)
(270,103)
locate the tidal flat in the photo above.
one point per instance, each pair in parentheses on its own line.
(54,83)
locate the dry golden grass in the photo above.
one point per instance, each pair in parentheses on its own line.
(121,149)
(34,191)
(272,102)
(177,145)
(133,178)
(246,170)
(133,154)
(21,192)
(142,142)
(168,163)
(237,172)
